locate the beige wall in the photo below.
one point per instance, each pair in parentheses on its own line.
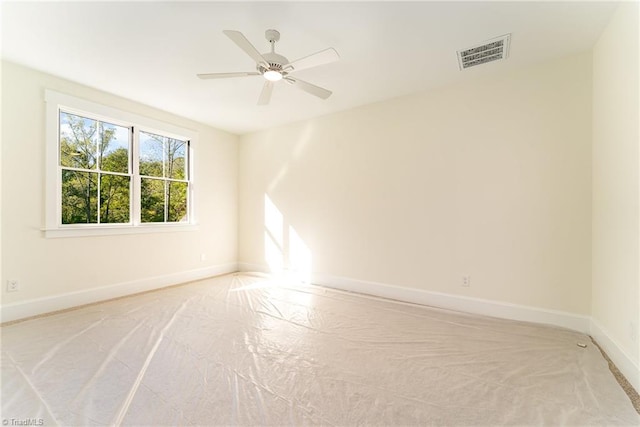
(616,212)
(53,266)
(490,179)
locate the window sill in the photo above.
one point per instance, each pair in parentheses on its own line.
(89,231)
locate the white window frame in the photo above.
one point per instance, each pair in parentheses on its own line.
(55,102)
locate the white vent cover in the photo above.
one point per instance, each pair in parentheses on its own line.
(491,50)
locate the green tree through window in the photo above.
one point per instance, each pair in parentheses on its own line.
(164,186)
(97,174)
(95,169)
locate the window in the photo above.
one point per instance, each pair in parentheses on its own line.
(110,172)
(95,170)
(164,185)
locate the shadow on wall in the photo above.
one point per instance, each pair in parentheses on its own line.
(285,252)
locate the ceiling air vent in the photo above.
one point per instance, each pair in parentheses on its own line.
(491,50)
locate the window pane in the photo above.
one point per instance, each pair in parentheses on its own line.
(151,154)
(152,200)
(176,159)
(79,197)
(114,148)
(114,199)
(78,138)
(177,202)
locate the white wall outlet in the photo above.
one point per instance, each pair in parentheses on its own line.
(203,257)
(466,281)
(13,286)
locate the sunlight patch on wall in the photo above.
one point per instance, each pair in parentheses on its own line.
(273,221)
(299,257)
(273,236)
(285,252)
(273,254)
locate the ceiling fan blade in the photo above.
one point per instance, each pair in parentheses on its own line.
(226,75)
(310,88)
(265,95)
(238,38)
(319,58)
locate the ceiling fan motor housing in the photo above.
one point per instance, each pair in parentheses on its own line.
(276,62)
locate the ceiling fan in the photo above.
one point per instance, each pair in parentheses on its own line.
(274,67)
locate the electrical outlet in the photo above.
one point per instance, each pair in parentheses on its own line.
(466,281)
(203,257)
(13,286)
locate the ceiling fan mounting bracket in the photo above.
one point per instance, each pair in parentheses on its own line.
(272,35)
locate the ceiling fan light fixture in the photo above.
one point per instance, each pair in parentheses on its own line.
(272,75)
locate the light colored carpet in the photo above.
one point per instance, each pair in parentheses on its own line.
(245,350)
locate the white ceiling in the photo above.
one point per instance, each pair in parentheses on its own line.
(151,51)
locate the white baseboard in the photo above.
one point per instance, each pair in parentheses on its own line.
(34,307)
(465,304)
(619,357)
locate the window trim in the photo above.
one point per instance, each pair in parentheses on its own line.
(56,101)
